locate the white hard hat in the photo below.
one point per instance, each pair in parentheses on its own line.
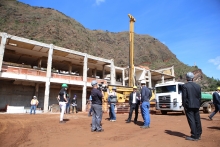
(189,76)
(93,82)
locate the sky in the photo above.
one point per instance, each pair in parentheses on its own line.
(189,28)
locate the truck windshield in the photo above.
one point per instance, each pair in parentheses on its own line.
(166,89)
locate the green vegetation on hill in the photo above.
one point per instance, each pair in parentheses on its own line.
(50,26)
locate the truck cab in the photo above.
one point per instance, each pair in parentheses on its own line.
(169,97)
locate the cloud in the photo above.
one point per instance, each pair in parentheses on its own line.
(216,61)
(98,2)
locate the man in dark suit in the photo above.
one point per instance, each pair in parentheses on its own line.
(191,99)
(134,102)
(216,102)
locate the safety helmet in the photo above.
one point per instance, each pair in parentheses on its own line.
(34,97)
(218,88)
(135,87)
(189,76)
(74,95)
(143,82)
(93,82)
(64,85)
(113,88)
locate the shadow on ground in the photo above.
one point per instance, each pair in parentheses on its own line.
(216,128)
(175,133)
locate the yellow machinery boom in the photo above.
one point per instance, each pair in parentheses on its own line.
(131,52)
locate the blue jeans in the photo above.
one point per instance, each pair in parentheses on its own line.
(217,108)
(145,106)
(113,115)
(33,107)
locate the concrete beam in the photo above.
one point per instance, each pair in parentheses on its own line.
(99,59)
(2,48)
(48,76)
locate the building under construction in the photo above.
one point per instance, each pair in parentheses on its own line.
(29,67)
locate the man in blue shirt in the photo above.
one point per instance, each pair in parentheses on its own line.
(145,105)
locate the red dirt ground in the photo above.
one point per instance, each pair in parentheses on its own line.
(44,130)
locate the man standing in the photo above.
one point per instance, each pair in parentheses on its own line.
(216,102)
(191,99)
(97,96)
(112,100)
(34,103)
(134,102)
(145,105)
(74,104)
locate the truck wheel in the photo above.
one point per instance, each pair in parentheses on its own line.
(207,109)
(164,112)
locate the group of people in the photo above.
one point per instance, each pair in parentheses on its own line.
(191,100)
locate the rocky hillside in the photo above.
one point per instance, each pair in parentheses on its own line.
(50,26)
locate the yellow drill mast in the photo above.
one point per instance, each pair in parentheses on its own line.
(131,52)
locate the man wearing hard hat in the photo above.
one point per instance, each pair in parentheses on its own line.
(34,103)
(216,102)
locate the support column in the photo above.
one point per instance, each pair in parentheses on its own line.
(36,89)
(48,76)
(173,73)
(112,73)
(84,93)
(162,78)
(2,49)
(123,77)
(149,79)
(103,71)
(70,68)
(39,63)
(95,73)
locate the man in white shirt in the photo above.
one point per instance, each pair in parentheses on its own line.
(34,103)
(134,102)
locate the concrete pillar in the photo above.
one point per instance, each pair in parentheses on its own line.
(162,78)
(103,71)
(70,68)
(2,49)
(39,63)
(149,79)
(123,77)
(172,68)
(36,90)
(94,72)
(112,73)
(48,76)
(85,67)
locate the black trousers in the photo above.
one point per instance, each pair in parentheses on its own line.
(194,121)
(132,108)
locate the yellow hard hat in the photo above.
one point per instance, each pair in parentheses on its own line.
(135,87)
(218,88)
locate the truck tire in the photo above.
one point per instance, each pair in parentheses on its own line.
(207,109)
(163,112)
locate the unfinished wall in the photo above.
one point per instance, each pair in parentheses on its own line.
(21,95)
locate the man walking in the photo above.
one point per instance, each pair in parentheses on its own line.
(34,103)
(216,102)
(97,96)
(134,102)
(74,104)
(191,98)
(145,105)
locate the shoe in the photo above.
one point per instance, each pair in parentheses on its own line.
(93,130)
(144,127)
(113,120)
(128,121)
(102,130)
(135,122)
(190,138)
(210,118)
(110,120)
(61,122)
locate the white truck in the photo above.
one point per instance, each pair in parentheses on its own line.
(169,98)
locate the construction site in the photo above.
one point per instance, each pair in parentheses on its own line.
(31,68)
